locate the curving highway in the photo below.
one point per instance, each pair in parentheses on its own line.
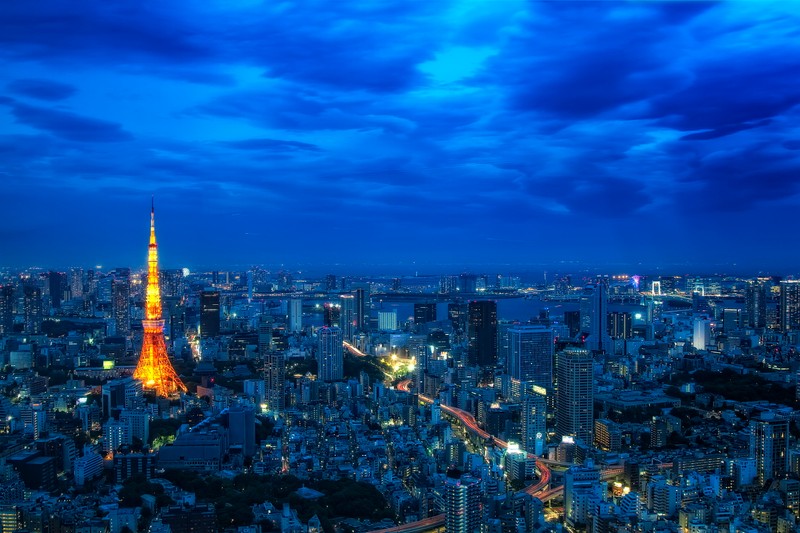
(466,418)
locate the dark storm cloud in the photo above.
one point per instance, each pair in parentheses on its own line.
(41,89)
(67,125)
(116,32)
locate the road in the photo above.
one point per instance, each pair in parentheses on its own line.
(437,522)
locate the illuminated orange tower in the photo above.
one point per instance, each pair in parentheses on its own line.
(154,368)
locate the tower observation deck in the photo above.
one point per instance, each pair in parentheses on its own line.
(154,368)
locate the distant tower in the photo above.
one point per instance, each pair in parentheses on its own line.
(330,356)
(575,395)
(482,330)
(154,369)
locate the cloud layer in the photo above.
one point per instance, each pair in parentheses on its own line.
(425,133)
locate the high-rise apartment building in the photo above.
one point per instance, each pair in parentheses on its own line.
(274,380)
(482,332)
(32,309)
(463,505)
(575,394)
(209,314)
(533,419)
(330,356)
(769,444)
(790,305)
(755,304)
(530,354)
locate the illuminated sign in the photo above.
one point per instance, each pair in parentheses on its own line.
(108,365)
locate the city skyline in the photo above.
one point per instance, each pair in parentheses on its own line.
(455,135)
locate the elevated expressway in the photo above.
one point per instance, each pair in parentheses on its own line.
(465,418)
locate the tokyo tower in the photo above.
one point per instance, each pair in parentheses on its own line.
(154,368)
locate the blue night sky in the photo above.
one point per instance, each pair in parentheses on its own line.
(427,133)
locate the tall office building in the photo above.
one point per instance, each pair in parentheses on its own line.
(581,493)
(330,356)
(347,316)
(769,444)
(209,314)
(533,419)
(58,285)
(482,333)
(424,313)
(76,282)
(530,354)
(598,339)
(575,394)
(120,306)
(463,505)
(620,325)
(362,307)
(790,305)
(295,315)
(755,304)
(331,314)
(585,304)
(387,320)
(32,309)
(6,309)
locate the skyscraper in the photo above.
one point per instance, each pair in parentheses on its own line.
(598,339)
(575,395)
(362,308)
(154,369)
(331,314)
(58,285)
(295,315)
(274,378)
(530,356)
(32,309)
(6,309)
(347,317)
(534,419)
(790,305)
(120,306)
(755,304)
(463,505)
(424,313)
(330,357)
(620,325)
(482,332)
(769,444)
(209,314)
